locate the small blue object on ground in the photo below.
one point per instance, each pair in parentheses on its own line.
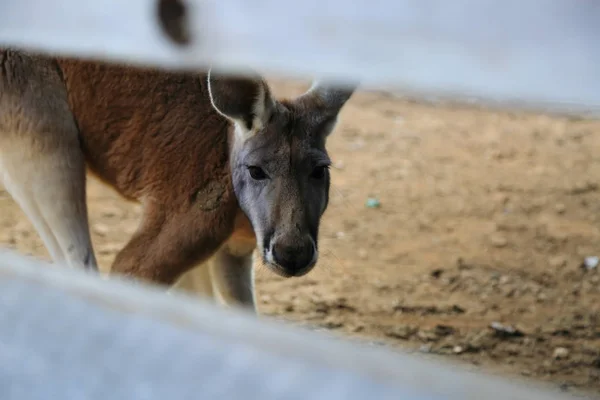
(373,203)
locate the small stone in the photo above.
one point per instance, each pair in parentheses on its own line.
(560,208)
(437,273)
(289,308)
(381,285)
(444,330)
(101,229)
(590,263)
(428,336)
(560,353)
(373,203)
(542,297)
(458,349)
(401,332)
(498,241)
(265,298)
(505,331)
(584,187)
(332,325)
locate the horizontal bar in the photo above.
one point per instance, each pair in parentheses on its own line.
(537,54)
(65,334)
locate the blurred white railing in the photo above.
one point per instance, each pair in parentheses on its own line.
(540,54)
(68,335)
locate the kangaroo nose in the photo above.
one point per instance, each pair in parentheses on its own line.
(295,259)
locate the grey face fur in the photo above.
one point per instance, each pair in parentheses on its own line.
(280,166)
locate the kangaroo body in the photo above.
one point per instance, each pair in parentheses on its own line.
(176,142)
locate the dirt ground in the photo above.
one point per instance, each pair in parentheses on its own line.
(485,218)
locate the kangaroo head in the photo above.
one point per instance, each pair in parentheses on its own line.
(279,163)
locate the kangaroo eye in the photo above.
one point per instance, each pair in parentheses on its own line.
(257,173)
(318,172)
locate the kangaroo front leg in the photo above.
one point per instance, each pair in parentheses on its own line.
(168,245)
(232,275)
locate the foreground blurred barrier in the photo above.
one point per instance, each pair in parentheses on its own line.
(540,54)
(70,336)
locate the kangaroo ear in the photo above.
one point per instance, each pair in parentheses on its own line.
(326,100)
(246,100)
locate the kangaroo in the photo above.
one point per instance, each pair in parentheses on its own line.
(218,164)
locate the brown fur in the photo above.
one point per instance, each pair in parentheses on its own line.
(164,146)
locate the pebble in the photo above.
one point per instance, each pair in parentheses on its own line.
(584,187)
(401,332)
(427,336)
(458,349)
(332,325)
(498,241)
(265,298)
(101,229)
(560,353)
(542,297)
(505,330)
(591,262)
(560,208)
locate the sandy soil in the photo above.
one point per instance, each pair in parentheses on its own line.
(485,218)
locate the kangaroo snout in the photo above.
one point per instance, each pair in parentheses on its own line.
(293,257)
